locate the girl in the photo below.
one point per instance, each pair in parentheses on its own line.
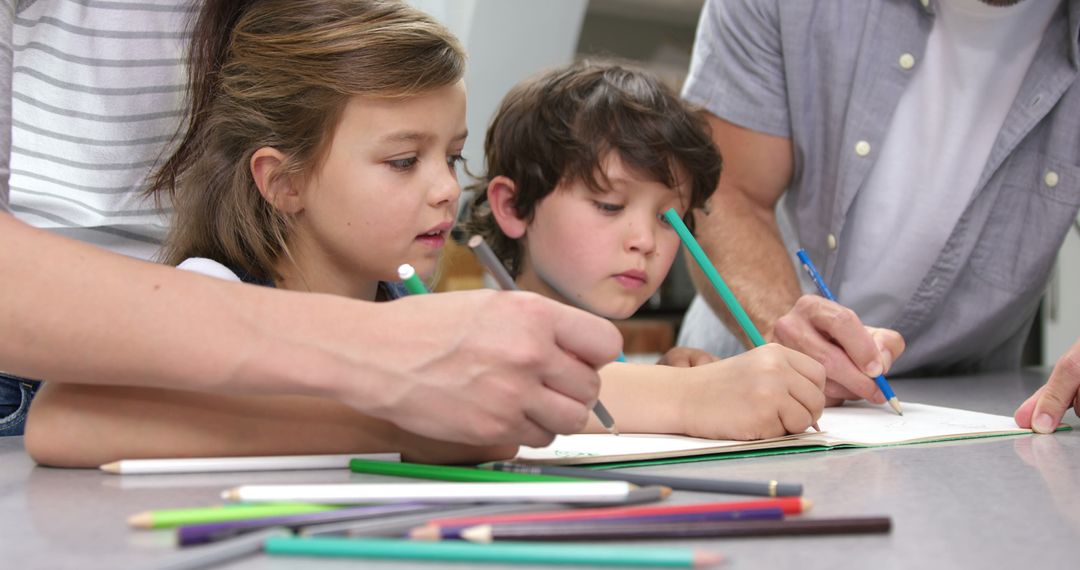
(319,155)
(582,162)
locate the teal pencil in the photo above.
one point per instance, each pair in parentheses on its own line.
(505,552)
(722,289)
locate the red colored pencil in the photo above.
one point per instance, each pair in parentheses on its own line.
(790,506)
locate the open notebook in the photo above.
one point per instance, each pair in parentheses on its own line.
(853,425)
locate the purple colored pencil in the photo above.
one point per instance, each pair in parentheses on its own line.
(767,513)
(191,535)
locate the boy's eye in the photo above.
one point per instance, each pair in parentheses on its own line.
(402,163)
(608,208)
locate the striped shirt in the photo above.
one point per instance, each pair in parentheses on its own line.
(97,98)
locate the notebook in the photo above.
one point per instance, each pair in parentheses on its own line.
(853,425)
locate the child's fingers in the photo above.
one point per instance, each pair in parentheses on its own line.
(809,396)
(795,417)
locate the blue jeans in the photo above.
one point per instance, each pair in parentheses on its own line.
(15,396)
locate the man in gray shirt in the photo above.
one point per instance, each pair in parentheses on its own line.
(929,152)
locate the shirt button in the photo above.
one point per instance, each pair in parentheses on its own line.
(862,148)
(907,61)
(1051,178)
(925,3)
(831,241)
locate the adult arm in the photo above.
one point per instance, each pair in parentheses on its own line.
(477,367)
(76,425)
(1045,408)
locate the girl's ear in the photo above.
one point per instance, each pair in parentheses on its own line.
(500,193)
(279,191)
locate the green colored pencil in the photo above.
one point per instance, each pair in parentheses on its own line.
(506,552)
(179,517)
(702,260)
(445,473)
(412,282)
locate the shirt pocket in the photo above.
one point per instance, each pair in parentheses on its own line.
(1035,207)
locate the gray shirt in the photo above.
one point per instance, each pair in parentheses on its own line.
(828,76)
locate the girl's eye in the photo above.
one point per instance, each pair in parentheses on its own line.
(453,160)
(663,220)
(608,208)
(402,164)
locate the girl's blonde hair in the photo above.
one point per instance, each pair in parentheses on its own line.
(278,73)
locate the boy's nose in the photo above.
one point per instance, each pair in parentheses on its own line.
(444,190)
(641,237)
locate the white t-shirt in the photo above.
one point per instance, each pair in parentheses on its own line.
(937,144)
(208,267)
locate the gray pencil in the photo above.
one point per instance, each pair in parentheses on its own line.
(397,526)
(221,552)
(506,283)
(702,484)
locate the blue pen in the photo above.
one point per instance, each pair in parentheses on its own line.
(882,383)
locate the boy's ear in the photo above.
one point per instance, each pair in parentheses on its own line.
(279,191)
(500,193)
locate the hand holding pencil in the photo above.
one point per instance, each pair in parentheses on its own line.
(855,356)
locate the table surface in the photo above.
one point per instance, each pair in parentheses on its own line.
(1005,502)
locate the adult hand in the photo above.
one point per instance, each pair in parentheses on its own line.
(491,368)
(853,354)
(686,357)
(769,391)
(1043,411)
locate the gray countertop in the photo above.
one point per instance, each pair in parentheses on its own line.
(1006,502)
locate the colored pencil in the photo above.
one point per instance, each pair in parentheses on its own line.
(398,525)
(822,288)
(412,281)
(764,489)
(497,270)
(190,535)
(506,553)
(432,532)
(226,464)
(710,529)
(790,506)
(176,517)
(215,555)
(352,493)
(707,267)
(447,473)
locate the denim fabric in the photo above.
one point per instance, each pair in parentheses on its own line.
(15,396)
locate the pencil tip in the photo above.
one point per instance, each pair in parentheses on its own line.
(426,532)
(894,402)
(141,520)
(704,558)
(816,428)
(481,533)
(665,492)
(113,467)
(806,504)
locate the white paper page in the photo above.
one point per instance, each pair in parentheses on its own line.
(859,423)
(863,423)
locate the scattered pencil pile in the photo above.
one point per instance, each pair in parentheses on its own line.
(509,514)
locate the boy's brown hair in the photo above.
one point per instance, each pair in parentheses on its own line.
(558,127)
(279,73)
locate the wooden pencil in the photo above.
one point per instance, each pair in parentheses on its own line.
(566,531)
(227,464)
(789,505)
(381,548)
(701,484)
(353,493)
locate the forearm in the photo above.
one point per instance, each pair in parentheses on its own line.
(742,239)
(74,313)
(75,425)
(642,398)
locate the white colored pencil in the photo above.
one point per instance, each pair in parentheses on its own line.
(224,464)
(356,493)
